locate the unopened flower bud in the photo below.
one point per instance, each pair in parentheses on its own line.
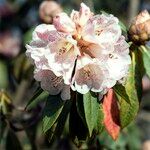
(48,10)
(139,31)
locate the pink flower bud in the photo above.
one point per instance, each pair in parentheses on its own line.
(140,28)
(48,10)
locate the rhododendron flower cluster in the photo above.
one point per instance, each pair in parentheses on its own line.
(81,52)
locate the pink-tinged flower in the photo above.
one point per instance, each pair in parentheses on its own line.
(87,52)
(89,75)
(53,84)
(63,23)
(80,18)
(118,61)
(102,29)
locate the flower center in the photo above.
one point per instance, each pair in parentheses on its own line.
(65,48)
(56,81)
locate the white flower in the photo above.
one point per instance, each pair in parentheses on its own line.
(86,52)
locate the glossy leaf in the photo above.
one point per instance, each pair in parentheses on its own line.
(111,114)
(52,110)
(121,91)
(133,89)
(58,127)
(37,97)
(38,92)
(62,119)
(77,128)
(91,108)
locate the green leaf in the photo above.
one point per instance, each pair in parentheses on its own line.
(133,89)
(58,127)
(121,91)
(37,97)
(12,141)
(80,107)
(99,123)
(146,59)
(123,27)
(77,128)
(52,110)
(38,92)
(91,108)
(28,36)
(3,75)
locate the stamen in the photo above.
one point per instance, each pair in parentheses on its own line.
(86,73)
(56,81)
(111,56)
(98,32)
(67,46)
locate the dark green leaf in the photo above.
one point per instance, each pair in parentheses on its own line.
(34,99)
(133,90)
(59,125)
(39,96)
(52,110)
(12,142)
(62,118)
(80,107)
(77,129)
(121,91)
(99,125)
(146,59)
(91,108)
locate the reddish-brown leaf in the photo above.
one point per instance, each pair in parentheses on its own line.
(111,114)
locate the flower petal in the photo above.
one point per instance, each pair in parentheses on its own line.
(53,84)
(119,60)
(65,53)
(88,75)
(63,23)
(36,52)
(81,17)
(42,32)
(102,29)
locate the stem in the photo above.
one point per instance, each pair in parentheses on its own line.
(21,91)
